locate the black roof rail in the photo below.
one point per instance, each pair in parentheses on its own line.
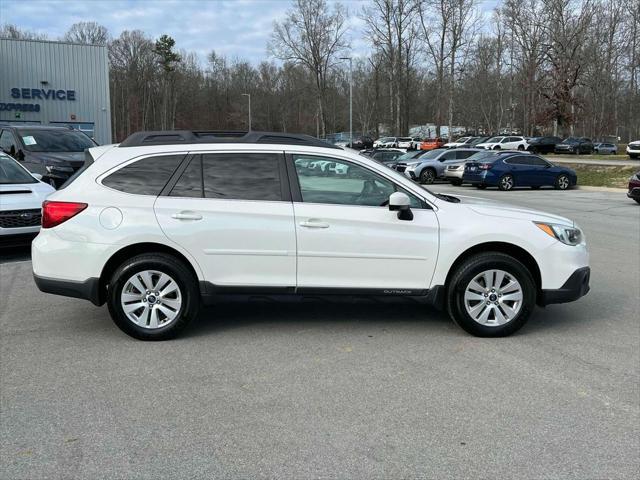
(176,137)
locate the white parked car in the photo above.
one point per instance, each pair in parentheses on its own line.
(386,142)
(504,143)
(461,142)
(405,142)
(163,223)
(21,197)
(633,149)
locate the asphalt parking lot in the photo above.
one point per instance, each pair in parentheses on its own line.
(362,390)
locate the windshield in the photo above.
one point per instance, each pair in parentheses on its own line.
(432,154)
(463,140)
(404,139)
(570,140)
(57,140)
(495,140)
(482,157)
(12,173)
(410,155)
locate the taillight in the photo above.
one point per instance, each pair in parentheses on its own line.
(55,213)
(485,166)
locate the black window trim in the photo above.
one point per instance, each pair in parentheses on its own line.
(285,191)
(296,192)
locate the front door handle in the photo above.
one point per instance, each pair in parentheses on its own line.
(314,224)
(187,216)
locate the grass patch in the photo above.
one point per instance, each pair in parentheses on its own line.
(594,156)
(602,175)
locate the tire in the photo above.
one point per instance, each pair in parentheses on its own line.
(182,303)
(521,147)
(637,200)
(456,182)
(497,147)
(633,157)
(503,316)
(562,182)
(506,182)
(428,176)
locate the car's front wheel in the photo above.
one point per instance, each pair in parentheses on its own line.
(491,295)
(153,296)
(428,175)
(562,182)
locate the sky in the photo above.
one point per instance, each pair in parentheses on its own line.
(234,28)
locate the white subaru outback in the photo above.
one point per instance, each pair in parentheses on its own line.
(167,221)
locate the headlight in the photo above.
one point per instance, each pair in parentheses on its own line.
(567,235)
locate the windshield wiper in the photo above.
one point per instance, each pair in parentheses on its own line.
(447,198)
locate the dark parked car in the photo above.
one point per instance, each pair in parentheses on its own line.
(575,145)
(387,157)
(543,144)
(634,187)
(56,153)
(362,142)
(507,170)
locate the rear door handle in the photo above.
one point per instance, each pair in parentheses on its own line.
(187,216)
(314,224)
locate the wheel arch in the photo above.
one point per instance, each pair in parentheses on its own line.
(511,249)
(131,251)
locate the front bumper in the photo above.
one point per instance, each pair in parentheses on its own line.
(576,286)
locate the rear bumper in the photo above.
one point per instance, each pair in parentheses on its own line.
(87,290)
(576,286)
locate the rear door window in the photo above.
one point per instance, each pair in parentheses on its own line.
(243,176)
(147,176)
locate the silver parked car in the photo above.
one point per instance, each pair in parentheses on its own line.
(431,165)
(605,148)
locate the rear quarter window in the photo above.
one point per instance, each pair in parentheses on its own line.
(147,176)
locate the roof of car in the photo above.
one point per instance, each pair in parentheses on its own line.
(186,137)
(35,127)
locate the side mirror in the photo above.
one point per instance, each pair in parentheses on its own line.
(400,202)
(37,176)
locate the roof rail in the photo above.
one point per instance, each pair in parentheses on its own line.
(175,137)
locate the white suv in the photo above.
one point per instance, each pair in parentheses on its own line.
(504,143)
(164,222)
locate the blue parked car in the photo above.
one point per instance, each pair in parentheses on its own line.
(507,170)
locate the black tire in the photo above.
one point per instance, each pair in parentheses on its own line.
(637,200)
(163,263)
(497,147)
(428,176)
(457,182)
(562,182)
(469,270)
(506,182)
(520,147)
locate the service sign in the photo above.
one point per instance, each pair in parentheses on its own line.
(31,94)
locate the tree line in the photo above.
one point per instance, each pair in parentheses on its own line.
(536,67)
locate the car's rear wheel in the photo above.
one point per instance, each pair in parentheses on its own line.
(428,175)
(456,182)
(520,147)
(491,295)
(506,182)
(153,296)
(562,182)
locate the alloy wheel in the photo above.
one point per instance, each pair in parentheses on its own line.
(151,299)
(493,298)
(563,182)
(506,182)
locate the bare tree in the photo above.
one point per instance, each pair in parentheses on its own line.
(90,33)
(312,35)
(11,31)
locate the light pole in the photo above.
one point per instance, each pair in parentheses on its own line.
(248,95)
(350,100)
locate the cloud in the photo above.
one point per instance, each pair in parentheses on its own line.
(236,28)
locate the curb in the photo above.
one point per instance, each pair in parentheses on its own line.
(588,188)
